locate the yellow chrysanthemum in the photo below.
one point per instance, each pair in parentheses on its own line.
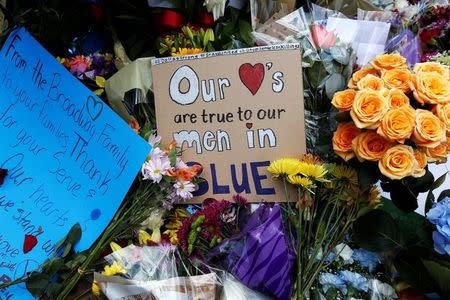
(144,237)
(175,222)
(374,197)
(284,166)
(95,289)
(311,159)
(316,172)
(187,51)
(114,269)
(301,181)
(344,174)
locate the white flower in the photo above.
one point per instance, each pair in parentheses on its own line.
(184,189)
(381,291)
(345,252)
(154,140)
(216,6)
(155,169)
(180,164)
(157,153)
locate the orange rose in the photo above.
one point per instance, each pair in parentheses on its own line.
(398,124)
(370,146)
(432,67)
(430,88)
(397,78)
(389,61)
(436,154)
(368,108)
(443,113)
(342,140)
(360,74)
(447,143)
(343,100)
(421,160)
(397,98)
(429,131)
(398,162)
(370,82)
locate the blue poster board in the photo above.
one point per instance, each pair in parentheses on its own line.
(69,158)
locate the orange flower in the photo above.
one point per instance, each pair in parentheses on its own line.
(134,125)
(447,143)
(371,82)
(343,100)
(397,98)
(437,154)
(429,131)
(360,74)
(169,147)
(187,174)
(432,67)
(398,162)
(342,140)
(443,113)
(421,160)
(430,88)
(368,108)
(389,61)
(397,78)
(398,124)
(370,146)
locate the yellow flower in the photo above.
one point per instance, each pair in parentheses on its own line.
(187,51)
(374,197)
(344,174)
(175,221)
(431,88)
(95,289)
(144,237)
(284,166)
(114,247)
(114,269)
(300,181)
(316,172)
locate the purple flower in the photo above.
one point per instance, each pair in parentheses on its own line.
(439,215)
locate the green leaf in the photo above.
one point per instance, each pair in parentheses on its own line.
(430,197)
(74,234)
(100,81)
(245,31)
(67,250)
(52,266)
(441,274)
(54,290)
(413,272)
(377,231)
(36,283)
(444,194)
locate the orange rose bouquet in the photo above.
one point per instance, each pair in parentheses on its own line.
(395,120)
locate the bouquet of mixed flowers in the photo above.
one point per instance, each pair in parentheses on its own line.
(329,199)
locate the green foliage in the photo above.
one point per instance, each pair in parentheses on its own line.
(430,197)
(66,261)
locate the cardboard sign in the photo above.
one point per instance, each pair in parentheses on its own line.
(69,158)
(233,112)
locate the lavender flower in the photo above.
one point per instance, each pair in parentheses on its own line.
(328,280)
(439,215)
(355,280)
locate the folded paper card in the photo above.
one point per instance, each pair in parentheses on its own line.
(69,159)
(233,112)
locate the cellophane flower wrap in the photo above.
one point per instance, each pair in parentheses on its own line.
(260,256)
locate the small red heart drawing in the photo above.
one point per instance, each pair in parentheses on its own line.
(249,125)
(252,76)
(29,243)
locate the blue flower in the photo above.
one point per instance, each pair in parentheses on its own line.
(366,258)
(355,280)
(439,215)
(328,280)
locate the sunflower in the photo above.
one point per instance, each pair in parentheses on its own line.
(284,167)
(344,174)
(374,197)
(115,268)
(187,51)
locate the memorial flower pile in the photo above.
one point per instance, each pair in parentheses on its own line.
(394,116)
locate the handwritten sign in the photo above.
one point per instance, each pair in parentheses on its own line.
(69,158)
(233,112)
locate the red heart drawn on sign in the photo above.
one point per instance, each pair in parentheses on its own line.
(249,125)
(29,243)
(252,76)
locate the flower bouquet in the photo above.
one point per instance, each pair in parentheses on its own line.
(395,121)
(329,199)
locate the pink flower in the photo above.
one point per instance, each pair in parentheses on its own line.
(321,37)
